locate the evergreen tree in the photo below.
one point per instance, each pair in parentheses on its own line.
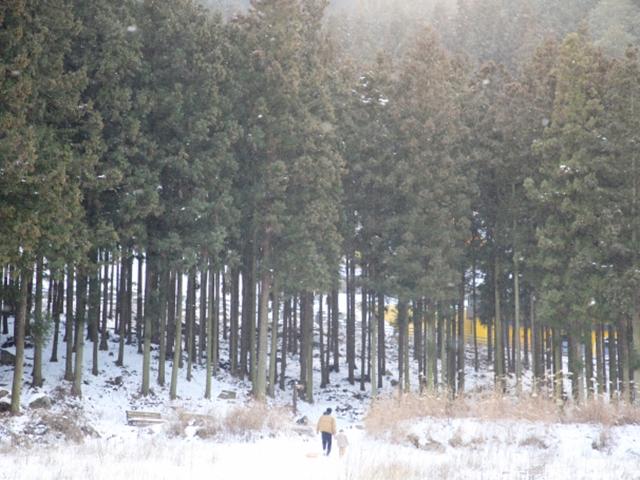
(47,148)
(621,297)
(289,169)
(575,197)
(188,134)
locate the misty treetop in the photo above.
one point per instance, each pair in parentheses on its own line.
(209,186)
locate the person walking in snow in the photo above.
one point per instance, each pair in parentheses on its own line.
(327,427)
(343,442)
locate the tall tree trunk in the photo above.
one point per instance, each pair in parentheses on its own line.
(190,319)
(612,351)
(38,330)
(215,332)
(373,364)
(69,325)
(526,345)
(172,288)
(273,353)
(329,345)
(112,281)
(285,336)
(451,349)
(150,310)
(251,337)
(303,336)
(516,336)
(624,360)
(474,318)
(94,309)
(306,351)
(363,330)
(381,338)
(417,338)
(323,365)
(510,336)
(57,311)
(536,347)
(335,329)
(129,299)
(233,320)
(76,388)
(441,342)
(248,306)
(204,335)
(499,348)
(164,280)
(557,364)
(351,319)
(600,373)
(118,294)
(225,323)
(576,365)
(121,302)
(431,354)
(139,299)
(5,305)
(461,339)
(177,353)
(588,361)
(209,323)
(20,322)
(260,376)
(401,319)
(295,330)
(104,334)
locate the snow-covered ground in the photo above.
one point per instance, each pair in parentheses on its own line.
(89,438)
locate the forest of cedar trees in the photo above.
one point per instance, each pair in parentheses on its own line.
(185,176)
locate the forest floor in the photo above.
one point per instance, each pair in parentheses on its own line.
(479,437)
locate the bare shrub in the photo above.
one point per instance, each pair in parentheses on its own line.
(389,415)
(255,417)
(533,441)
(494,406)
(176,428)
(68,425)
(603,412)
(208,429)
(456,440)
(626,414)
(592,411)
(206,426)
(476,442)
(414,440)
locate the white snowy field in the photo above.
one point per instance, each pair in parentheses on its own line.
(455,449)
(236,439)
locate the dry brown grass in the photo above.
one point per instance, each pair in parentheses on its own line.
(391,415)
(69,425)
(533,441)
(206,426)
(456,440)
(602,412)
(254,417)
(242,421)
(386,471)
